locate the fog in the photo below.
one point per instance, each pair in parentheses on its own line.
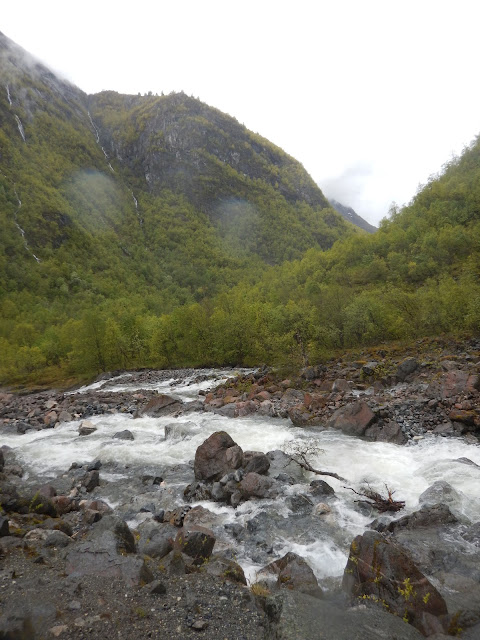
(370,97)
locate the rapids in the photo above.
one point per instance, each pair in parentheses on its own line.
(322,540)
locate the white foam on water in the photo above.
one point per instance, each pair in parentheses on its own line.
(408,470)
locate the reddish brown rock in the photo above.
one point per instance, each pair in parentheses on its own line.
(160,405)
(353,419)
(253,485)
(218,455)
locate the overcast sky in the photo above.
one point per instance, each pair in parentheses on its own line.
(372,96)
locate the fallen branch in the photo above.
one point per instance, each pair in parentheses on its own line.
(379,502)
(298,450)
(303,462)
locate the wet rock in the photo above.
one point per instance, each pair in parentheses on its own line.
(440,492)
(283,468)
(160,405)
(196,542)
(294,573)
(200,516)
(91,480)
(124,435)
(389,432)
(197,491)
(255,485)
(86,428)
(353,419)
(428,516)
(256,462)
(382,571)
(320,488)
(472,534)
(321,509)
(302,417)
(178,430)
(218,455)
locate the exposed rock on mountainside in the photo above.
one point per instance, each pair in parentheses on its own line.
(352,216)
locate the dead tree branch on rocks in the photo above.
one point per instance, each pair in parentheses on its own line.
(380,503)
(298,450)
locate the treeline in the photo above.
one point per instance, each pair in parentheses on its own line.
(417,276)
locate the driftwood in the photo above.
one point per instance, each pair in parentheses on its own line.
(380,503)
(298,450)
(303,462)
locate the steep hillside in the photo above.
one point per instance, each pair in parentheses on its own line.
(352,216)
(121,208)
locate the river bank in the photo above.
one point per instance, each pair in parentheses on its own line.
(124,456)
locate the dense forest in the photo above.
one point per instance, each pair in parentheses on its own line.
(155,231)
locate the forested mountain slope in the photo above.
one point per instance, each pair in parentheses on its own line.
(116,210)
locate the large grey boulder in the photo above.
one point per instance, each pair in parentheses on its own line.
(297,616)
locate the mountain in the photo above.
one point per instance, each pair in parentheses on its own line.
(117,209)
(352,216)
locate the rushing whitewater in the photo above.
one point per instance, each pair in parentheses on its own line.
(324,543)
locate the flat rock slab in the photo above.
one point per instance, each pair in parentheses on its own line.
(300,616)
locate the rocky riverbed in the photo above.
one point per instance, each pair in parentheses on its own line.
(154,502)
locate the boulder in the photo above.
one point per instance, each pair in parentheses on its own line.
(294,573)
(91,480)
(256,462)
(196,542)
(124,435)
(225,568)
(253,485)
(406,367)
(4,527)
(440,492)
(381,571)
(453,383)
(297,616)
(86,428)
(428,516)
(387,432)
(320,488)
(217,456)
(353,419)
(160,405)
(156,540)
(178,430)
